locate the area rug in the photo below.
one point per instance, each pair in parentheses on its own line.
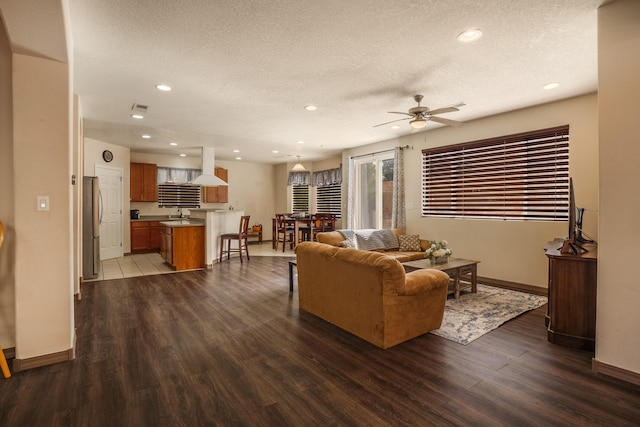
(474,314)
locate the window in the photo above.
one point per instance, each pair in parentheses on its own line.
(178,196)
(373,191)
(515,177)
(300,198)
(329,199)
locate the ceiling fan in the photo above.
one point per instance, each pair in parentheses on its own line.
(420,115)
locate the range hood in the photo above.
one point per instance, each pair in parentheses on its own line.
(208,179)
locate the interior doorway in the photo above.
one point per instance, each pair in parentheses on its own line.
(110,181)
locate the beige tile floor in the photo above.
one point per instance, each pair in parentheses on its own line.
(152,263)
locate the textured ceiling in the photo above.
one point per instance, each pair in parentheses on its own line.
(242,71)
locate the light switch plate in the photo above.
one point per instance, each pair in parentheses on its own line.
(43,203)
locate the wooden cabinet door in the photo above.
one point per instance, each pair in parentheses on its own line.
(155,235)
(136,177)
(188,247)
(217,194)
(166,250)
(150,183)
(139,236)
(222,192)
(143,182)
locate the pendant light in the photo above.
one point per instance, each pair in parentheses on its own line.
(298,167)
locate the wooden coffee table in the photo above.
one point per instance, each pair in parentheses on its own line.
(463,272)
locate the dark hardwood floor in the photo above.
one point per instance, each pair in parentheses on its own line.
(229,347)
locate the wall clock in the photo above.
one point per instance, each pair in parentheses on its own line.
(107,156)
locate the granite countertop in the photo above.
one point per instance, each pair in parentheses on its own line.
(158,218)
(213,210)
(184,222)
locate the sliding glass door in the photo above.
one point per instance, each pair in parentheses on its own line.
(373,195)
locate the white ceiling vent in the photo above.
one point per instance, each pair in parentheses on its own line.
(139,108)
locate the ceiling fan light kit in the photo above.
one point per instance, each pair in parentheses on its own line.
(418,123)
(420,115)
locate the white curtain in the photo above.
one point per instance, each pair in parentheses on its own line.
(398,215)
(299,178)
(327,177)
(351,174)
(177,175)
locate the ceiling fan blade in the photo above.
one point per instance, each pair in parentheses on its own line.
(445,121)
(443,110)
(392,121)
(398,112)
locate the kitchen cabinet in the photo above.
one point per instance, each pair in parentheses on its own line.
(183,246)
(143,182)
(217,194)
(155,235)
(145,236)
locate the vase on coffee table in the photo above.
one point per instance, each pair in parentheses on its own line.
(439,259)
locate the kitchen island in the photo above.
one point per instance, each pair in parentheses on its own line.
(183,243)
(218,221)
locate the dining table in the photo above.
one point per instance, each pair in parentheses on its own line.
(297,222)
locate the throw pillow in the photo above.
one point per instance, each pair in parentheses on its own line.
(348,243)
(409,243)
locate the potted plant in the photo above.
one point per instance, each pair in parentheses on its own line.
(438,252)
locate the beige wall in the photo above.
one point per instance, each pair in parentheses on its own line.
(618,313)
(42,108)
(7,251)
(507,250)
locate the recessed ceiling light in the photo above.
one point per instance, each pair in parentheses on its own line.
(275,151)
(145,136)
(183,155)
(173,143)
(469,35)
(236,151)
(395,127)
(300,142)
(163,88)
(137,116)
(311,108)
(551,86)
(238,158)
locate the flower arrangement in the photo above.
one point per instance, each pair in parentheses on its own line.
(437,250)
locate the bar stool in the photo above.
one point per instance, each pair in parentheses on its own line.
(241,236)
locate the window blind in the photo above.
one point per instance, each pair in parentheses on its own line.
(300,198)
(178,196)
(516,177)
(329,199)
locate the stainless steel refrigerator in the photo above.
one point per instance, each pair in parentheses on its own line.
(91,218)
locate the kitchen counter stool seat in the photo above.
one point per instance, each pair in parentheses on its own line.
(241,236)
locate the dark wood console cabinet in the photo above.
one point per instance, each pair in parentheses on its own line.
(571,312)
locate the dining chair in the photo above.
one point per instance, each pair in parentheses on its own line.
(241,236)
(306,231)
(284,233)
(3,361)
(324,222)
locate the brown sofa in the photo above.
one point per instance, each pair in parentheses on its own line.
(335,238)
(369,294)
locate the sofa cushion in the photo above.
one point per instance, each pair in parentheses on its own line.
(409,243)
(372,239)
(333,238)
(347,243)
